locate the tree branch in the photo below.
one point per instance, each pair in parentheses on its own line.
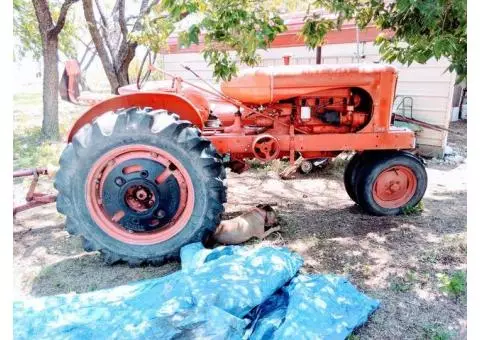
(92,57)
(121,19)
(102,13)
(61,18)
(99,45)
(104,25)
(44,17)
(144,10)
(154,2)
(85,53)
(115,8)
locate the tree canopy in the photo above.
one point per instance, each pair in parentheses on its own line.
(240,26)
(420,29)
(25,29)
(416,30)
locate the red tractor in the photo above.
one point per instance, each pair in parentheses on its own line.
(144,172)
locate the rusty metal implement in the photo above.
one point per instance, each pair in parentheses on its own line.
(34,199)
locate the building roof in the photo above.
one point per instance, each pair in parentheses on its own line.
(290,38)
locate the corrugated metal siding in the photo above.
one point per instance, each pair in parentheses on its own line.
(430,87)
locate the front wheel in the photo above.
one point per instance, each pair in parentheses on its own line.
(350,175)
(137,185)
(391,182)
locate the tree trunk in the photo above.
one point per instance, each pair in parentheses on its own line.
(100,46)
(50,89)
(110,38)
(126,55)
(49,32)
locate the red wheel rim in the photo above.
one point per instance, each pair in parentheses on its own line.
(97,203)
(394,187)
(265,148)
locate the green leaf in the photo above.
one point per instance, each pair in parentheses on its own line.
(430,28)
(193,33)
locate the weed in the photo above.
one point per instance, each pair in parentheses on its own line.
(430,256)
(257,164)
(335,167)
(276,165)
(436,332)
(404,284)
(400,286)
(413,210)
(454,285)
(353,337)
(31,150)
(451,250)
(93,287)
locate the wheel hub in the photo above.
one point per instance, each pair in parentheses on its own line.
(140,197)
(306,166)
(394,187)
(265,148)
(140,194)
(132,191)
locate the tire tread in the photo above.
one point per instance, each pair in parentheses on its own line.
(136,121)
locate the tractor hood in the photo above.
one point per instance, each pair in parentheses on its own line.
(263,85)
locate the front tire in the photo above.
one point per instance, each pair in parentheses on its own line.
(391,182)
(137,185)
(350,175)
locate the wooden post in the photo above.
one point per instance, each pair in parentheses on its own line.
(319,55)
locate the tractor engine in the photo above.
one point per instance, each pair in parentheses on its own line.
(332,111)
(340,110)
(312,98)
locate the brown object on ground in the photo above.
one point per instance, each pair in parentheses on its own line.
(289,172)
(258,222)
(33,199)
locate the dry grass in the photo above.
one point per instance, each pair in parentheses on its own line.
(29,148)
(405,261)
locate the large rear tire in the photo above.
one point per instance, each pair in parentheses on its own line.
(138,184)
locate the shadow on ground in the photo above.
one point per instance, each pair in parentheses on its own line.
(87,272)
(395,259)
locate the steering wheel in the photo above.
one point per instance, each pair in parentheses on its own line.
(142,79)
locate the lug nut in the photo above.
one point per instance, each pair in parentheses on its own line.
(119,181)
(160,213)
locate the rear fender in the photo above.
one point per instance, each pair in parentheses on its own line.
(157,100)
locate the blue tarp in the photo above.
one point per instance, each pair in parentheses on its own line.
(230,292)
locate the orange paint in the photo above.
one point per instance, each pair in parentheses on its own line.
(394,187)
(266,85)
(157,100)
(317,110)
(109,224)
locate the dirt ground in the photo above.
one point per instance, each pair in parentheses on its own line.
(399,260)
